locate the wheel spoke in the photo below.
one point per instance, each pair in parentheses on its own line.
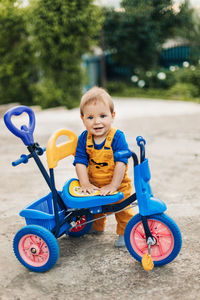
(43,244)
(140,234)
(27,243)
(151,224)
(144,249)
(163,235)
(160,248)
(32,238)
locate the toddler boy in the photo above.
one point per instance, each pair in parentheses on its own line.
(94,159)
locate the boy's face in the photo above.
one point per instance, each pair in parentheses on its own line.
(97,119)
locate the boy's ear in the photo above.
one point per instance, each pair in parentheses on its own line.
(82,117)
(113,114)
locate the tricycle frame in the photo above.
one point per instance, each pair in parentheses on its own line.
(73,213)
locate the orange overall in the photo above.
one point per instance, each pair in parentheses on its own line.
(100,172)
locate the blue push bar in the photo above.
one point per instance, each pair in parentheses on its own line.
(24,133)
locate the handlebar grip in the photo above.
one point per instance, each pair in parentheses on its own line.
(24,133)
(122,154)
(140,140)
(23,159)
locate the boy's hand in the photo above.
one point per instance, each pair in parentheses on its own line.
(108,190)
(89,188)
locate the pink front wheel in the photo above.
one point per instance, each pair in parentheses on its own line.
(165,232)
(36,248)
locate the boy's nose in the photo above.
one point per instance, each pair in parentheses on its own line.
(97,120)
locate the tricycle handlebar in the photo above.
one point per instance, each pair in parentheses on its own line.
(24,158)
(122,154)
(140,140)
(141,143)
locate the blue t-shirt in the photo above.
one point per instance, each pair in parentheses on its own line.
(118,144)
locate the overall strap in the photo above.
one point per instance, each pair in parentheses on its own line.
(110,137)
(89,141)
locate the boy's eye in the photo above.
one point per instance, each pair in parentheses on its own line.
(103,116)
(90,117)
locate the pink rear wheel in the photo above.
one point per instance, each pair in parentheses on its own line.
(165,232)
(33,250)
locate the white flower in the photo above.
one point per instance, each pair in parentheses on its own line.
(172,68)
(134,78)
(193,68)
(141,83)
(149,73)
(186,64)
(161,76)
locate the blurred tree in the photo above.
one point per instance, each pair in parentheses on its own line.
(17,68)
(62,30)
(137,31)
(190,29)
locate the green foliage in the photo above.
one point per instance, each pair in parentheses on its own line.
(156,78)
(41,48)
(189,29)
(17,69)
(183,91)
(187,19)
(179,91)
(116,87)
(49,94)
(177,83)
(190,75)
(140,30)
(128,90)
(62,32)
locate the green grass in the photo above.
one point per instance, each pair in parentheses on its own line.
(170,94)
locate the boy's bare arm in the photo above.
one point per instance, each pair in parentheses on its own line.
(118,176)
(86,186)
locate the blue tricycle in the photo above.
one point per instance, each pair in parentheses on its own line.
(151,237)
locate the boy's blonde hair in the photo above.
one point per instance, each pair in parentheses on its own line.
(96,94)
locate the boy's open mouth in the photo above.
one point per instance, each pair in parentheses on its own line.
(98,128)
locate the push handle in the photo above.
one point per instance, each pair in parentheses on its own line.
(58,152)
(24,133)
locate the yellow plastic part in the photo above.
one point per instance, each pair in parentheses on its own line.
(147,262)
(57,152)
(75,190)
